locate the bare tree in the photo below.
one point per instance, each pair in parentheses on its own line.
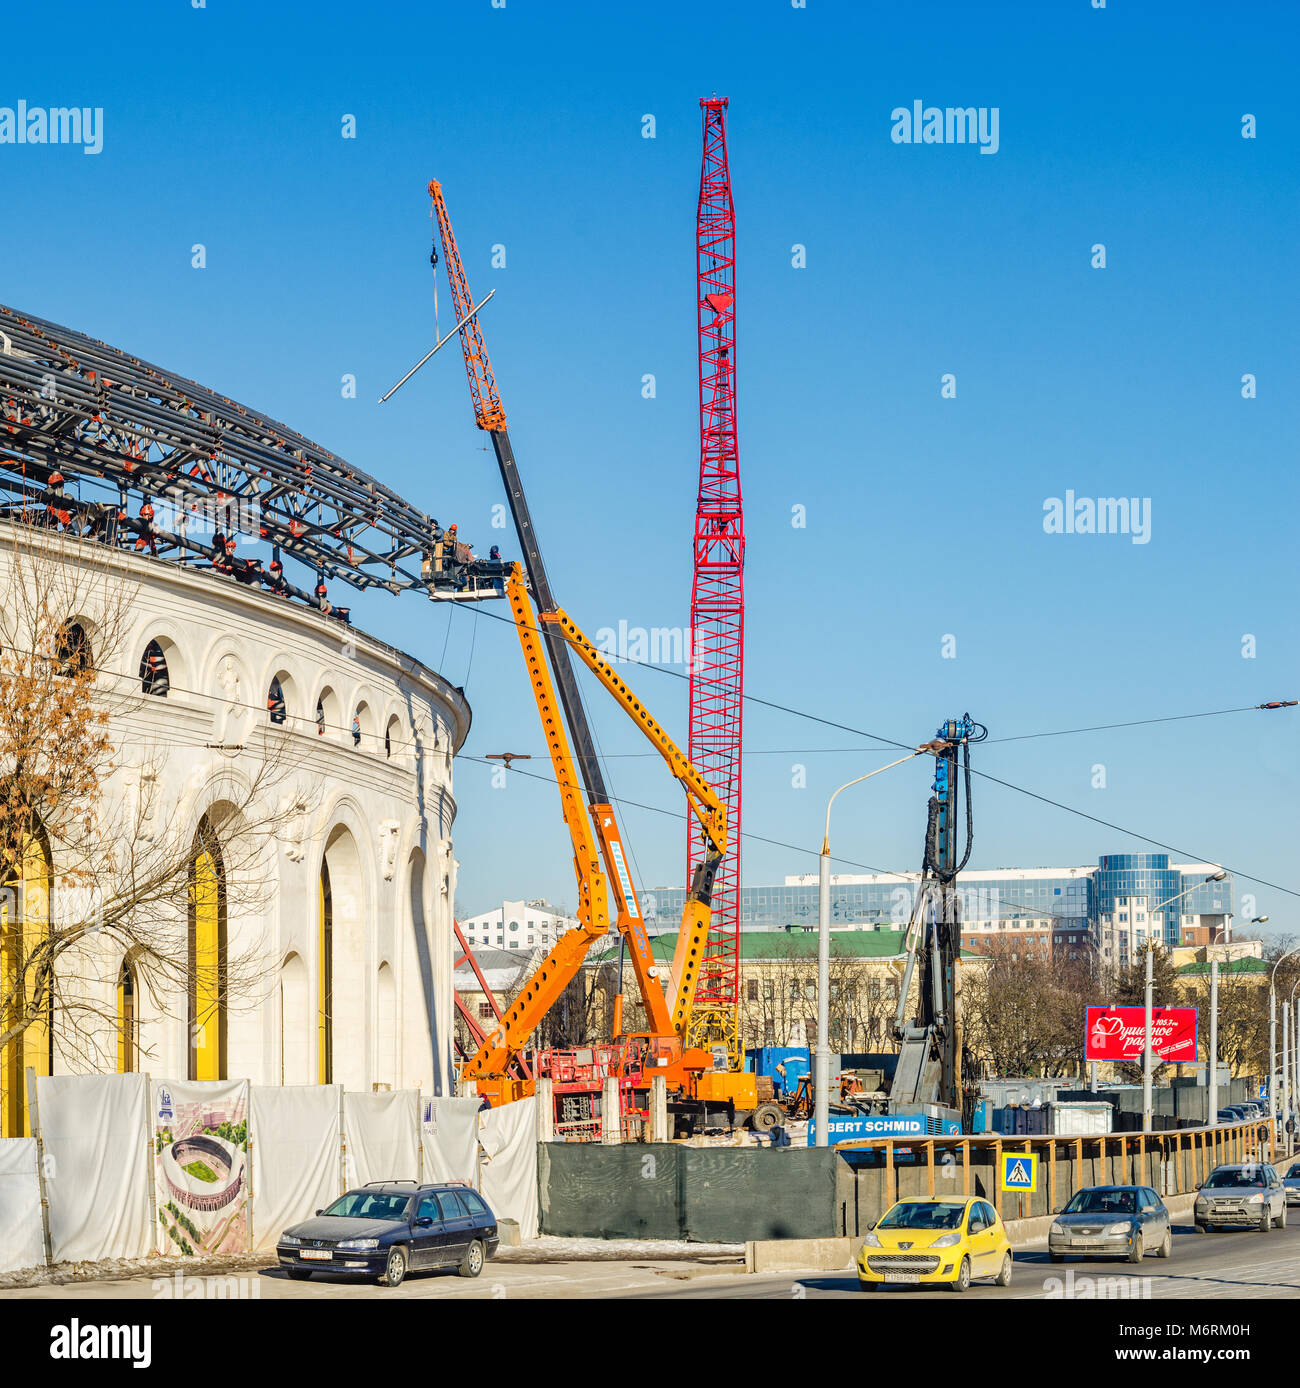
(1024,1014)
(779,997)
(99,870)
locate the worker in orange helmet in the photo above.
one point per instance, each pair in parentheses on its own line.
(56,515)
(147,541)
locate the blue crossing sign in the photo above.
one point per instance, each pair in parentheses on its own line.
(1019,1171)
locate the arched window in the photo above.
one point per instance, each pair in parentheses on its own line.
(325,968)
(73,655)
(329,712)
(386,1028)
(128,1035)
(363,727)
(24,925)
(154,678)
(207,957)
(275,702)
(295,1022)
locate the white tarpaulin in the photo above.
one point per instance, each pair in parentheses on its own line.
(22,1241)
(383,1136)
(508,1136)
(95,1131)
(200,1133)
(450,1139)
(295,1133)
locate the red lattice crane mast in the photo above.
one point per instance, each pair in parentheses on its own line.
(718,590)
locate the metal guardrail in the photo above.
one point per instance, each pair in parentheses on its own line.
(1208,1147)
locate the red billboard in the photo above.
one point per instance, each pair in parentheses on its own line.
(1115,1033)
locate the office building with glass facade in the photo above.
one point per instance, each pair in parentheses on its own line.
(1065,908)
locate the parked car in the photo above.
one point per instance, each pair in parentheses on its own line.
(928,1240)
(1226,1115)
(1291,1184)
(389,1228)
(1112,1222)
(1241,1193)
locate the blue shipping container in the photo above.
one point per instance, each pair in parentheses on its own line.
(763,1060)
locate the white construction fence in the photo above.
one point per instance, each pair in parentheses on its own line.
(124,1166)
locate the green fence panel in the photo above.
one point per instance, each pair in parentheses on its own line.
(735,1194)
(619,1192)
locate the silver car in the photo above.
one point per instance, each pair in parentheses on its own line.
(1291,1184)
(1111,1222)
(1248,1193)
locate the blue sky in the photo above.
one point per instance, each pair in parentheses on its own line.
(924,515)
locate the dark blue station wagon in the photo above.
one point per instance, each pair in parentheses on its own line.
(389,1228)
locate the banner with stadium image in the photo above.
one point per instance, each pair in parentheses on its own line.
(201,1185)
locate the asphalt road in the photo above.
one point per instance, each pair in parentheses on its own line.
(1237,1264)
(1231,1265)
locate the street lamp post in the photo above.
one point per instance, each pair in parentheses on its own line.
(1294,1008)
(1148,1066)
(1213,1094)
(1285,1076)
(1272,1038)
(1295,1036)
(822,1076)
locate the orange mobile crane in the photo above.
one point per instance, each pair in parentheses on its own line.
(696,1078)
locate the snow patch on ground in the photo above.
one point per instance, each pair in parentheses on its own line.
(545,1249)
(548,1248)
(110,1269)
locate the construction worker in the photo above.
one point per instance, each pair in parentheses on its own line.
(278,585)
(155,671)
(147,541)
(356,730)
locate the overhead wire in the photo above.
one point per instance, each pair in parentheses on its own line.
(1069,809)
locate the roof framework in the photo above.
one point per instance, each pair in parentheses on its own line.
(160,463)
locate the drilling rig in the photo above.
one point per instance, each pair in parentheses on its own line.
(930,1059)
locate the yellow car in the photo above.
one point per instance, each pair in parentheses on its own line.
(931,1241)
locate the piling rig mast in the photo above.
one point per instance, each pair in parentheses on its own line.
(930,1046)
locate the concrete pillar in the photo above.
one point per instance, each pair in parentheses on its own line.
(659,1109)
(611,1128)
(545,1110)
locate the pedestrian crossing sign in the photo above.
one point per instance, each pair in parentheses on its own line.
(1019,1171)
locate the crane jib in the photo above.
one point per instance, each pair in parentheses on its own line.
(625,880)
